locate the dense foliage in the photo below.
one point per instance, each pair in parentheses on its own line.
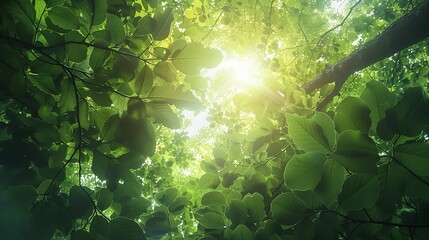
(92,139)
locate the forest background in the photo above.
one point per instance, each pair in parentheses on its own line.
(238,119)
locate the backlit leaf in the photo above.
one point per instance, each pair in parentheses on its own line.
(303,172)
(415,156)
(287,209)
(352,114)
(163,24)
(64,18)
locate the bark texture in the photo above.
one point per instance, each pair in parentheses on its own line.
(410,29)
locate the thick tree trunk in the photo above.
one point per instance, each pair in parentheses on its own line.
(406,31)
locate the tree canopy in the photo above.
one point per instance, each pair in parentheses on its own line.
(312,119)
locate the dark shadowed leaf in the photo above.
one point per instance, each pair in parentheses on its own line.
(64,18)
(359,191)
(163,24)
(287,209)
(415,156)
(125,228)
(352,114)
(356,152)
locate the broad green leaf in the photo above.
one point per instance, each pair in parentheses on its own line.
(209,180)
(145,26)
(415,156)
(163,24)
(41,222)
(356,152)
(178,206)
(99,225)
(310,199)
(359,191)
(104,199)
(411,115)
(125,228)
(80,202)
(67,100)
(178,97)
(194,57)
(135,207)
(305,230)
(213,197)
(44,82)
(308,135)
(137,134)
(157,226)
(328,127)
(333,176)
(255,207)
(20,196)
(211,220)
(237,212)
(99,11)
(241,232)
(167,197)
(303,172)
(84,114)
(64,18)
(352,114)
(116,28)
(76,51)
(379,99)
(287,209)
(163,114)
(99,165)
(144,81)
(391,179)
(166,71)
(98,56)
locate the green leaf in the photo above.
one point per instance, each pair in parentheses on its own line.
(166,71)
(255,207)
(359,191)
(178,97)
(84,114)
(287,209)
(137,134)
(64,18)
(145,26)
(194,57)
(67,100)
(213,197)
(328,127)
(76,51)
(163,24)
(135,207)
(356,152)
(308,135)
(167,197)
(99,226)
(379,99)
(237,212)
(41,222)
(163,114)
(177,207)
(211,220)
(241,232)
(352,114)
(157,226)
(415,156)
(209,180)
(116,28)
(99,11)
(391,179)
(333,176)
(104,199)
(144,81)
(411,115)
(98,56)
(44,82)
(21,196)
(124,228)
(303,172)
(80,202)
